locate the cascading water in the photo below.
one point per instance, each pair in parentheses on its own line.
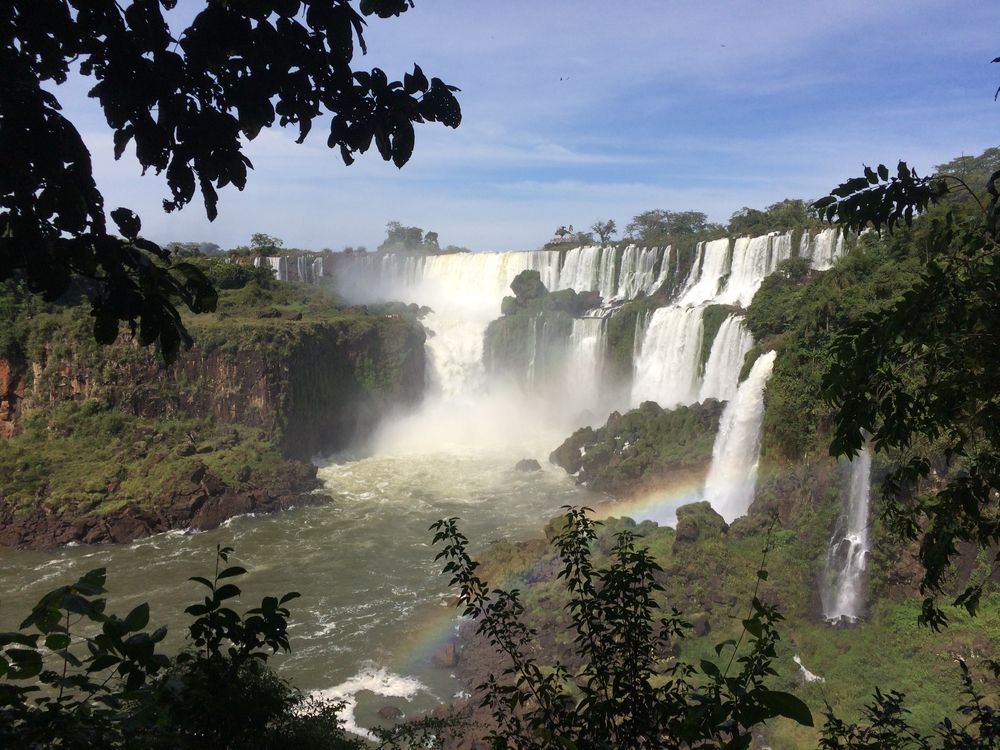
(725,360)
(586,355)
(711,264)
(732,476)
(823,249)
(754,258)
(843,579)
(666,368)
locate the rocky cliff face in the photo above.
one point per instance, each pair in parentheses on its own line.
(313,386)
(222,432)
(11,393)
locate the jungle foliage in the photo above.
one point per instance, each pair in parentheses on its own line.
(919,375)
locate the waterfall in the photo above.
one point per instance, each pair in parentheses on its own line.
(823,249)
(563,363)
(754,258)
(843,579)
(725,360)
(583,365)
(638,271)
(666,369)
(711,265)
(732,475)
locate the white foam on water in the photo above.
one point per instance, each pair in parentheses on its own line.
(372,679)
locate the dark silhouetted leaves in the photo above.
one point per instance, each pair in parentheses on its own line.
(183,101)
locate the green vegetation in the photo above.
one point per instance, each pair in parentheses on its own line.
(789,214)
(187,122)
(282,370)
(799,314)
(709,574)
(620,352)
(642,447)
(94,454)
(712,319)
(622,686)
(918,374)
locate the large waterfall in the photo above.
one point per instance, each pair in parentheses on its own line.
(843,580)
(732,476)
(563,380)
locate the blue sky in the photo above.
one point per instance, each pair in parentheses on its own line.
(578,111)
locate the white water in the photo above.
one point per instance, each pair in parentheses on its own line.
(732,476)
(843,580)
(807,676)
(585,358)
(722,370)
(754,258)
(824,249)
(711,264)
(666,368)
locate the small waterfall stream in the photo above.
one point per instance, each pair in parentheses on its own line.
(843,579)
(732,476)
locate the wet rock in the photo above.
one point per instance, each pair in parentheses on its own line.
(445,657)
(700,624)
(390,713)
(527,464)
(198,473)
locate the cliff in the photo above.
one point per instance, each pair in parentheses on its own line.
(108,444)
(313,386)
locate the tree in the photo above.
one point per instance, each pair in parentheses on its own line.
(604,230)
(658,227)
(265,244)
(399,238)
(920,375)
(627,691)
(186,103)
(782,216)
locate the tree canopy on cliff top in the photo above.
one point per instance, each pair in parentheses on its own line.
(187,102)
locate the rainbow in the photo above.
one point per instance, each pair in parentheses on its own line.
(436,624)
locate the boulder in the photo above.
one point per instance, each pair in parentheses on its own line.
(698,521)
(508,306)
(445,657)
(527,464)
(700,624)
(390,713)
(528,285)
